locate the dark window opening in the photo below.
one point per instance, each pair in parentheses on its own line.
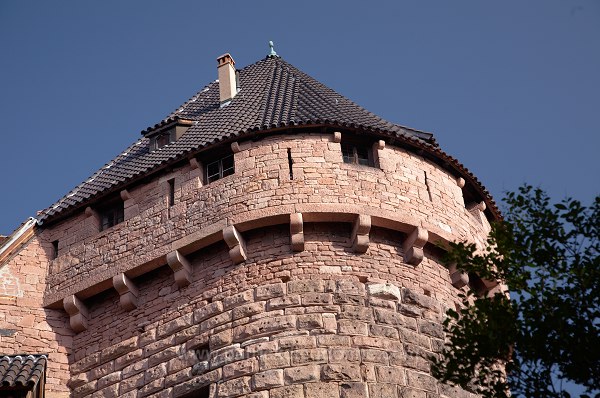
(427,185)
(290,163)
(171,192)
(162,140)
(202,392)
(111,215)
(54,249)
(220,168)
(358,151)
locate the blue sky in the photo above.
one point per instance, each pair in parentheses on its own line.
(511,88)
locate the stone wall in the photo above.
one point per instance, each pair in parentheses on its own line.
(277,325)
(260,317)
(261,186)
(25,326)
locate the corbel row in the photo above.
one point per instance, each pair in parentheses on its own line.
(183,270)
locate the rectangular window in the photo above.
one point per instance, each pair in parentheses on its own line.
(171,192)
(357,152)
(111,215)
(219,168)
(54,249)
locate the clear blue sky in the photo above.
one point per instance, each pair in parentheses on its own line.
(510,88)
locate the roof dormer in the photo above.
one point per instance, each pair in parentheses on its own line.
(168,131)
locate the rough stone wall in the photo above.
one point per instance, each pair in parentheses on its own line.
(321,322)
(281,324)
(261,184)
(27,328)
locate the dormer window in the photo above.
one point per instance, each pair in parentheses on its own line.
(166,132)
(162,139)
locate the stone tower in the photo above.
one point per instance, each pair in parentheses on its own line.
(268,239)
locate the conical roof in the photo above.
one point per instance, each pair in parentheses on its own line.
(272,94)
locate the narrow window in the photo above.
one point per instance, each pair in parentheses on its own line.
(171,192)
(290,163)
(111,215)
(220,168)
(54,249)
(427,185)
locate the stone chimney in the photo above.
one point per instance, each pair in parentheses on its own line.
(227,80)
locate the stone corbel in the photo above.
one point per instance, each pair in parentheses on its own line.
(128,292)
(337,136)
(460,182)
(296,232)
(385,291)
(77,311)
(129,206)
(236,243)
(235,147)
(181,267)
(92,220)
(476,206)
(413,246)
(360,233)
(458,278)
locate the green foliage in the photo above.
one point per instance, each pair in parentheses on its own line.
(547,333)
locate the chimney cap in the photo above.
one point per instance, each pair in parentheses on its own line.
(225,59)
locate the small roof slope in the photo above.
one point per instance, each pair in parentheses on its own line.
(22,370)
(272,94)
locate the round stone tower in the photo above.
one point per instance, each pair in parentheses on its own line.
(269,239)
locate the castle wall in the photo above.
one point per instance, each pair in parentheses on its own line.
(26,327)
(261,186)
(320,321)
(277,325)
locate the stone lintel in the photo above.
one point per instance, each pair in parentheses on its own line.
(236,243)
(181,267)
(458,278)
(413,246)
(360,233)
(127,290)
(296,232)
(78,313)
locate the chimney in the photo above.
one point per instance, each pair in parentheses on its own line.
(227,83)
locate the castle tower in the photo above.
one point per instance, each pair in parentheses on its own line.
(268,239)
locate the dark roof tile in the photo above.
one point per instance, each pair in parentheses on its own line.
(22,370)
(272,94)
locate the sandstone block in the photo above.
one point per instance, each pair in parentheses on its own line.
(353,390)
(389,374)
(244,367)
(287,392)
(234,387)
(306,356)
(268,379)
(301,374)
(208,311)
(381,390)
(341,372)
(322,390)
(421,381)
(266,292)
(343,354)
(275,360)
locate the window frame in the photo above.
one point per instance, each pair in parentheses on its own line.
(222,169)
(110,214)
(354,150)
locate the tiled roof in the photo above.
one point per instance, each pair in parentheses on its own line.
(22,370)
(272,94)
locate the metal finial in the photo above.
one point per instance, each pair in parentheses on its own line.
(272,53)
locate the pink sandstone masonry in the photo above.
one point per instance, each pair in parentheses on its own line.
(327,284)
